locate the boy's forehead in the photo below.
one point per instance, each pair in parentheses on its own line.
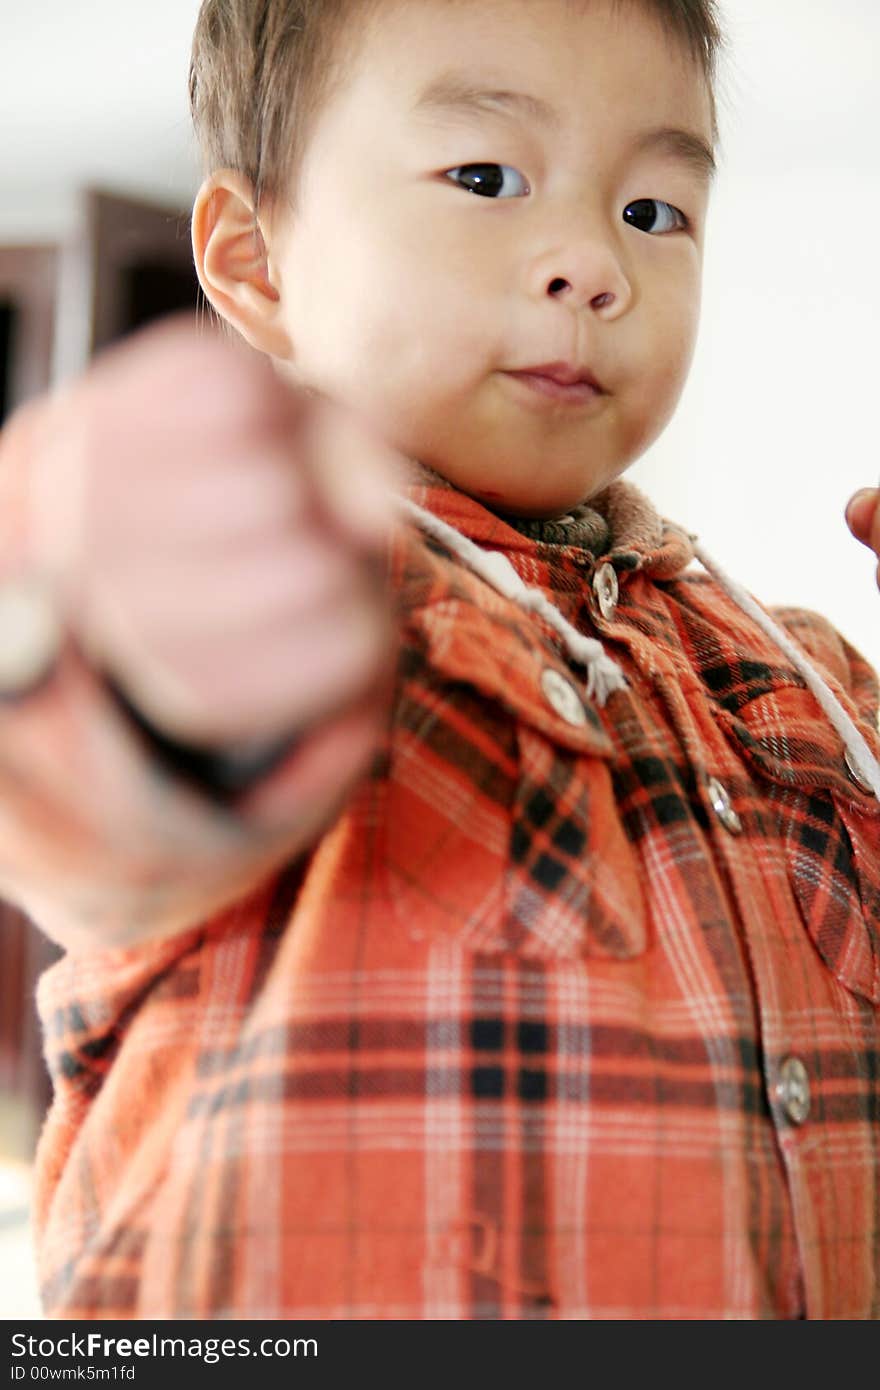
(441,59)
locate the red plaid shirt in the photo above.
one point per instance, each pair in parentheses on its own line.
(562,1017)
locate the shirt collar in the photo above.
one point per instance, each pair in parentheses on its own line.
(638,538)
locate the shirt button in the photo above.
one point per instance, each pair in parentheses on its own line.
(793,1090)
(30,635)
(563,697)
(855,775)
(723,807)
(607,590)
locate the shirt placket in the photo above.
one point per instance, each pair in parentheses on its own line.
(794,997)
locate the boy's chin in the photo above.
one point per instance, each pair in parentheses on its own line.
(535,499)
(530,493)
(523,508)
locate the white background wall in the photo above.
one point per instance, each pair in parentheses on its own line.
(776,428)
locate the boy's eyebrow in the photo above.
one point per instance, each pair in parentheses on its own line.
(453,93)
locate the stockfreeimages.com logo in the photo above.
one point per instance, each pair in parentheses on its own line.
(94,1346)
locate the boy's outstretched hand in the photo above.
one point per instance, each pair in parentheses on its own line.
(863,520)
(217,544)
(218,537)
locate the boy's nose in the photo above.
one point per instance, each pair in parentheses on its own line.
(599,301)
(584,277)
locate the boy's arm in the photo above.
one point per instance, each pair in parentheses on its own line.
(107,839)
(104,847)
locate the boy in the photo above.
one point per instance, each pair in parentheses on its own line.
(539,977)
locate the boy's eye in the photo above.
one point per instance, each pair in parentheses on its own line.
(646,213)
(649,215)
(489,180)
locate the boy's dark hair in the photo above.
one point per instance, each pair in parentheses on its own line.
(261,71)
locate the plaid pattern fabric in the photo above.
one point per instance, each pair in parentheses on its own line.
(512,1040)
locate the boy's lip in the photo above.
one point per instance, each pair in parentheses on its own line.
(565,373)
(542,388)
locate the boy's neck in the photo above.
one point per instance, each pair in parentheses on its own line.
(584,526)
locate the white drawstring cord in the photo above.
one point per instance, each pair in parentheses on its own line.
(604,676)
(864,762)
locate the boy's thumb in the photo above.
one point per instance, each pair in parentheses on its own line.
(354,473)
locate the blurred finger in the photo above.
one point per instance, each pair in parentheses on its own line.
(283,683)
(353,472)
(274,682)
(860,513)
(247,589)
(256,498)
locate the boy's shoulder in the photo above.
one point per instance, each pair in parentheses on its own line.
(831,650)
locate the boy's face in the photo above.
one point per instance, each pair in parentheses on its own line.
(413,298)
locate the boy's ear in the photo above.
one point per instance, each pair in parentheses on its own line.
(232,262)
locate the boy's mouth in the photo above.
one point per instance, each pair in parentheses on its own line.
(563,373)
(561,381)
